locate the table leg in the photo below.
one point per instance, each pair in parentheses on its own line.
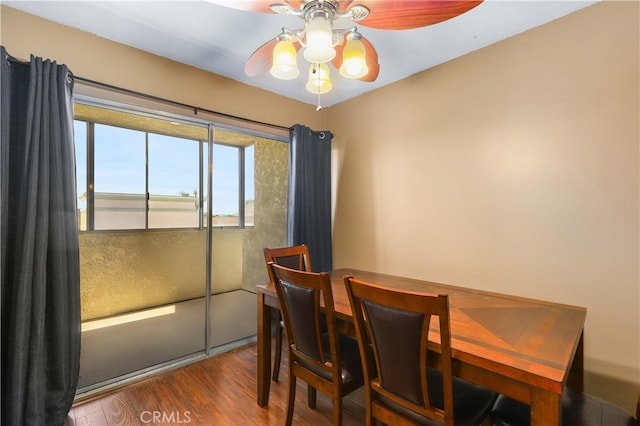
(575,380)
(264,351)
(545,408)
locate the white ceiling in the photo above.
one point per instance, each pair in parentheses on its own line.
(220,40)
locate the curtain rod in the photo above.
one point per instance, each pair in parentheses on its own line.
(176,103)
(159,99)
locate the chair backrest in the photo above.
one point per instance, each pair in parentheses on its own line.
(395,324)
(293,257)
(302,295)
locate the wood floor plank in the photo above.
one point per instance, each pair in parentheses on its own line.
(219,391)
(90,413)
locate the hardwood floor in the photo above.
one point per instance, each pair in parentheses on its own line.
(218,391)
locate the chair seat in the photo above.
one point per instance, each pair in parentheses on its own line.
(577,409)
(471,402)
(352,377)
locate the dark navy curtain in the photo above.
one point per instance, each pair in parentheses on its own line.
(40,293)
(309,210)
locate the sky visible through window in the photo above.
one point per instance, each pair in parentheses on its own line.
(173,166)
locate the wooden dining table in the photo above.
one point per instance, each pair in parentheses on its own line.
(527,349)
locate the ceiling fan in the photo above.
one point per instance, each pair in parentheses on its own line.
(346,49)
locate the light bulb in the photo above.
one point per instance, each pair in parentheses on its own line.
(319,82)
(319,40)
(354,64)
(284,64)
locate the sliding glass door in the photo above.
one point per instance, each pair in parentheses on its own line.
(143,245)
(174,214)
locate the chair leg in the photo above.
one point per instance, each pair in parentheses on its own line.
(278,349)
(311,396)
(291,398)
(337,411)
(369,421)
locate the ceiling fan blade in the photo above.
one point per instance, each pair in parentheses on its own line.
(261,59)
(371,58)
(408,14)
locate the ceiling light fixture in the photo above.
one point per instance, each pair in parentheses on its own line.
(320,39)
(346,49)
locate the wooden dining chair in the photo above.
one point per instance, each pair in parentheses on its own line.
(294,257)
(326,360)
(578,409)
(400,388)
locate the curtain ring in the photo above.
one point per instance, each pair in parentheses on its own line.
(69,77)
(322,134)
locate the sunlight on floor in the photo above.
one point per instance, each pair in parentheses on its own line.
(126,318)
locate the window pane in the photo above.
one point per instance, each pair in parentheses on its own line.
(119,188)
(249,185)
(80,140)
(226,185)
(173,182)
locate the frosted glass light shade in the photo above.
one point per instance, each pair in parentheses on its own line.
(354,64)
(319,41)
(319,82)
(284,64)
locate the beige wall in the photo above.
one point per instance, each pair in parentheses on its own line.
(513,169)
